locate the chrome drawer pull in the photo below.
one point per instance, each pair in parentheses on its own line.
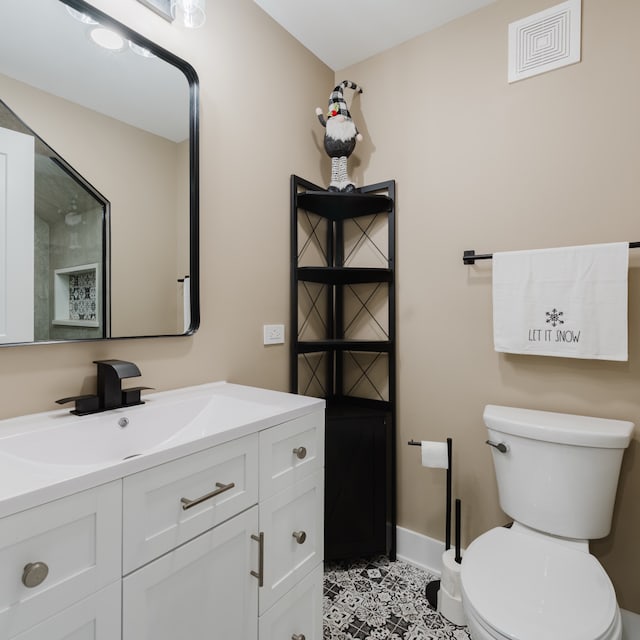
(300,536)
(34,574)
(187,504)
(500,446)
(300,452)
(260,572)
(298,636)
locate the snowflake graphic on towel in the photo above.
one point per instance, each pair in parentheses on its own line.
(554,318)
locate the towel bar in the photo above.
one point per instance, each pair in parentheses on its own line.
(470,256)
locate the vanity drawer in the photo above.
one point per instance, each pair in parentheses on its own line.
(298,614)
(155,517)
(293,536)
(289,452)
(77,537)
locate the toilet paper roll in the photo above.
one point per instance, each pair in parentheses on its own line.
(434,454)
(451,608)
(450,577)
(450,593)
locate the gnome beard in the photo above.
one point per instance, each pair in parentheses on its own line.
(341,130)
(339,143)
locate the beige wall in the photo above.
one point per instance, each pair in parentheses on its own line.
(481,164)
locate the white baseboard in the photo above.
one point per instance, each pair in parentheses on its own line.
(419,550)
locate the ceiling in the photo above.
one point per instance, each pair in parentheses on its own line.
(350,31)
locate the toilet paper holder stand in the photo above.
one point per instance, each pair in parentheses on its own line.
(431,590)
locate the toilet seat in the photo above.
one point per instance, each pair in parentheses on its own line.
(526,586)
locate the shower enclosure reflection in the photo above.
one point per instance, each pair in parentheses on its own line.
(63,293)
(70,227)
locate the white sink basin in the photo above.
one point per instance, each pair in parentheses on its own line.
(49,455)
(117,435)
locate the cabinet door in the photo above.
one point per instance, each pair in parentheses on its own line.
(298,614)
(78,538)
(288,557)
(358,486)
(95,618)
(203,590)
(289,452)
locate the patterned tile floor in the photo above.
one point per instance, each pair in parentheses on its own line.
(376,599)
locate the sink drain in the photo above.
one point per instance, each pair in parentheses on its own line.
(133,455)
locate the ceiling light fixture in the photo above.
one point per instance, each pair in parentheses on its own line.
(107,39)
(194,12)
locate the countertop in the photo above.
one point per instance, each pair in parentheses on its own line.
(25,483)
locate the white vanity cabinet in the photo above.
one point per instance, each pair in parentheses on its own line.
(232,557)
(292,521)
(206,584)
(58,554)
(222,541)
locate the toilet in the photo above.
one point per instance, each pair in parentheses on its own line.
(557,478)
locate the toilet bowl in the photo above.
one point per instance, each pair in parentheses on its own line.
(557,476)
(522,585)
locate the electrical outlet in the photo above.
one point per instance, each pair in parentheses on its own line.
(273,333)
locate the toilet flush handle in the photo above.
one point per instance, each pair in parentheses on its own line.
(500,446)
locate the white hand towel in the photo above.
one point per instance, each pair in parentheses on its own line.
(569,302)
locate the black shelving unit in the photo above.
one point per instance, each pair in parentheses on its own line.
(343,349)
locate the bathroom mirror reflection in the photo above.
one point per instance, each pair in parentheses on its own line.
(110,249)
(58,224)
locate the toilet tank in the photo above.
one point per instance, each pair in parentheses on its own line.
(559,473)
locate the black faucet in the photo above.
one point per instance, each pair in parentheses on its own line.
(110,394)
(110,376)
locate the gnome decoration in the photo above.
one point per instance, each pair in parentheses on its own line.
(340,136)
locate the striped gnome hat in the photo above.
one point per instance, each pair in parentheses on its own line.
(337,103)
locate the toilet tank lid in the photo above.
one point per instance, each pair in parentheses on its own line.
(562,428)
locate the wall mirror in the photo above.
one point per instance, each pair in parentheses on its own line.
(99,199)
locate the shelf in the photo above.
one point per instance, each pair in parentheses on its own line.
(342,206)
(372,346)
(345,406)
(355,375)
(76,296)
(344,275)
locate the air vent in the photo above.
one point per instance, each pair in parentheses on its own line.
(545,41)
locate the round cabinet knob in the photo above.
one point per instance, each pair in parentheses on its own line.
(300,452)
(34,574)
(298,636)
(300,536)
